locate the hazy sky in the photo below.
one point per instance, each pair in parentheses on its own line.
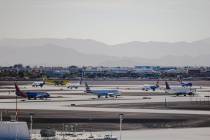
(110,21)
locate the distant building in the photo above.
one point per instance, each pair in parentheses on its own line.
(194,71)
(120,70)
(146,69)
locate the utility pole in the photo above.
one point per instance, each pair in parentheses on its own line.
(121,119)
(31,125)
(63,131)
(165,102)
(16,110)
(1,117)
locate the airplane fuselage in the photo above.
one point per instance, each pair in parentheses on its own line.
(106,93)
(186,84)
(35,95)
(148,87)
(103,92)
(38,84)
(180,91)
(74,85)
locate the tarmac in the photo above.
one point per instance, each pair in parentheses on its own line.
(134,102)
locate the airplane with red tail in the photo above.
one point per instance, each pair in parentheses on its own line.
(31,94)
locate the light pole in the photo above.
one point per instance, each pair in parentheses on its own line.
(31,123)
(75,129)
(165,102)
(1,117)
(16,109)
(63,131)
(121,119)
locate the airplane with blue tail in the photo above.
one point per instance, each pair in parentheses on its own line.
(186,84)
(151,87)
(31,94)
(179,90)
(103,92)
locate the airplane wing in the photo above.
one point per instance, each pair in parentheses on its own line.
(39,95)
(111,94)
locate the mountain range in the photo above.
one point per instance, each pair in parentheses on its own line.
(84,52)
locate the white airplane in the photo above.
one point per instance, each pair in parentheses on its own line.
(185,84)
(103,92)
(151,87)
(38,84)
(74,85)
(179,90)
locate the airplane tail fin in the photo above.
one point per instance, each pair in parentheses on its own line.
(87,88)
(179,79)
(167,85)
(157,83)
(18,92)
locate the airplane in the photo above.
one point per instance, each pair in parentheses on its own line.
(186,84)
(74,85)
(31,95)
(151,87)
(104,92)
(38,84)
(57,82)
(179,90)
